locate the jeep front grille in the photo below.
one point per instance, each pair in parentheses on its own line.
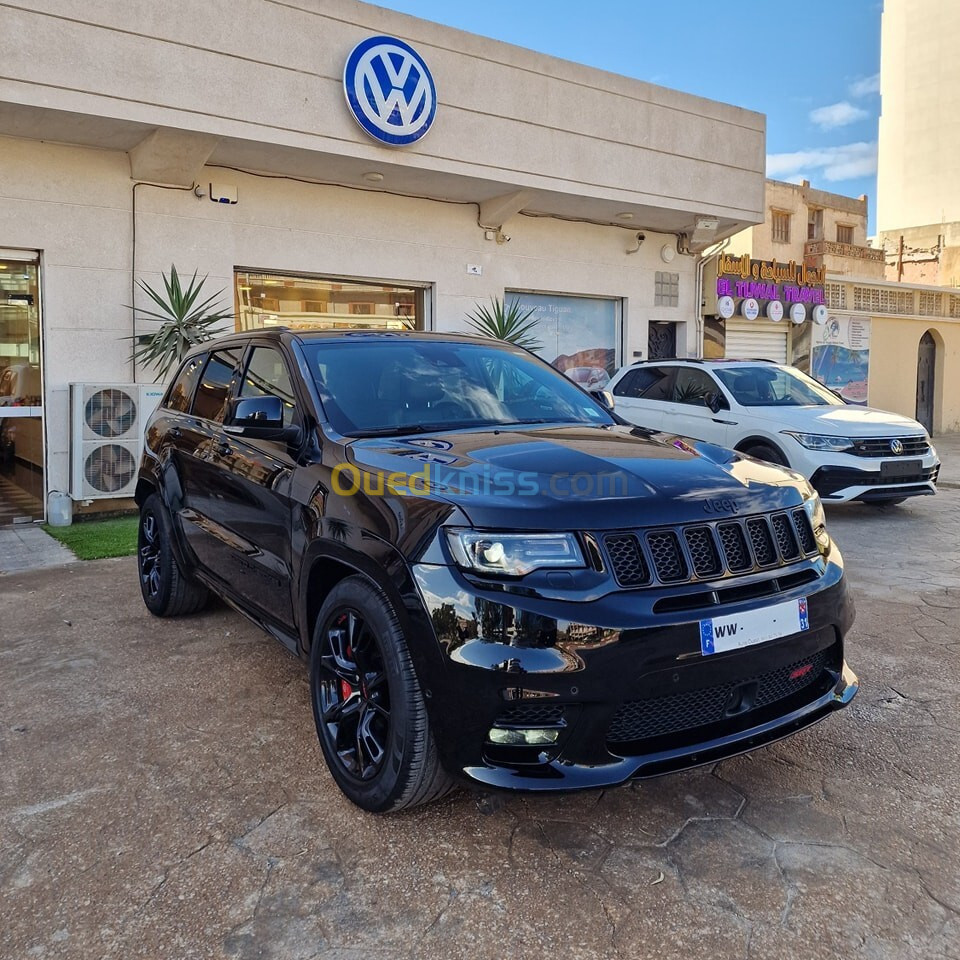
(709,551)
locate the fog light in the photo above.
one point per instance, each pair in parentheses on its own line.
(522,738)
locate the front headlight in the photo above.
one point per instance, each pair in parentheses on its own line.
(816,441)
(513,554)
(818,519)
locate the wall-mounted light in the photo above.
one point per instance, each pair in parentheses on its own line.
(373,176)
(626,215)
(668,253)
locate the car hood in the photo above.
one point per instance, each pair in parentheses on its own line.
(583,477)
(850,420)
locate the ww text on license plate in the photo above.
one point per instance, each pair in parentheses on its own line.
(753,626)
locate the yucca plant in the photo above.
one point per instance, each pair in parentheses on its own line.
(184,322)
(508,322)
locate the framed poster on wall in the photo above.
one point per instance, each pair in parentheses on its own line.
(580,336)
(840,356)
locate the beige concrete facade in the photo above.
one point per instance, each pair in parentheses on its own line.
(900,314)
(568,162)
(822,229)
(918,176)
(918,164)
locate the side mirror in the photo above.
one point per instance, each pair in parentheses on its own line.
(716,402)
(603,397)
(259,418)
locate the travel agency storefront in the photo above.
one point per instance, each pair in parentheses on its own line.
(762,309)
(328,166)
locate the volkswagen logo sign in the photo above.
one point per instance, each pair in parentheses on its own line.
(390,91)
(896,447)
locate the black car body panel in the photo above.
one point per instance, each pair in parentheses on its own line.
(264,524)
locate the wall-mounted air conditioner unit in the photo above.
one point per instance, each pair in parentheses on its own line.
(106,437)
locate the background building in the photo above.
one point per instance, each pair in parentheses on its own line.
(918,176)
(891,344)
(826,233)
(156,136)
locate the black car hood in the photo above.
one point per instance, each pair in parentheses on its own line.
(582,477)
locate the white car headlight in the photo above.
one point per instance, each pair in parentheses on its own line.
(513,554)
(816,441)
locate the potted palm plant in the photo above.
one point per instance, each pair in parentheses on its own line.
(508,322)
(184,320)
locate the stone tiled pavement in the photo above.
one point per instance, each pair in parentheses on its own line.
(163,796)
(24,546)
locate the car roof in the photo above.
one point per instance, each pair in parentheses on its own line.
(719,362)
(286,335)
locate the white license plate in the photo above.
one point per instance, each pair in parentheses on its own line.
(753,626)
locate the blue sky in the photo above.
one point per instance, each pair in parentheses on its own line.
(811,67)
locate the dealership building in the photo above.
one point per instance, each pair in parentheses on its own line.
(327,164)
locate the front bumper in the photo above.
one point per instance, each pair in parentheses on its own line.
(840,478)
(518,662)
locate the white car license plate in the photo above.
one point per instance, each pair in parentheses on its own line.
(753,626)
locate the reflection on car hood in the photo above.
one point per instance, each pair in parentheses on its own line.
(580,476)
(850,420)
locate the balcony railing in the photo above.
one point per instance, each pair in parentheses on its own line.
(820,248)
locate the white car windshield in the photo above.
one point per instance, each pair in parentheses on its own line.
(770,386)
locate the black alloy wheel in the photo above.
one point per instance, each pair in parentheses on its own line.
(166,590)
(370,712)
(149,552)
(353,693)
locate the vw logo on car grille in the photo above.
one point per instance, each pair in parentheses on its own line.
(390,91)
(896,447)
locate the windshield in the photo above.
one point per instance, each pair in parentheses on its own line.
(769,386)
(372,387)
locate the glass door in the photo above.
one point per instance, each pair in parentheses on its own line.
(21,390)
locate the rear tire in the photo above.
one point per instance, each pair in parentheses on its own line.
(166,590)
(768,452)
(367,704)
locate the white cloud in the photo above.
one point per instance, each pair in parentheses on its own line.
(847,162)
(837,115)
(865,86)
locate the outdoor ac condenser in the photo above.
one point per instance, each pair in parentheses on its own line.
(106,437)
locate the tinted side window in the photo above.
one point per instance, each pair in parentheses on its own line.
(650,383)
(267,376)
(181,392)
(693,387)
(210,401)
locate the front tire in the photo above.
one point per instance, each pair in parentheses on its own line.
(166,590)
(370,713)
(768,452)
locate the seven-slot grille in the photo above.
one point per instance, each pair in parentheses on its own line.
(704,551)
(880,447)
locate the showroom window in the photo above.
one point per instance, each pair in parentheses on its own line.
(320,303)
(580,336)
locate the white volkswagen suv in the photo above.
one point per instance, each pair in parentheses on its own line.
(776,413)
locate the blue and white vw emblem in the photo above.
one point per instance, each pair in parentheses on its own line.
(390,90)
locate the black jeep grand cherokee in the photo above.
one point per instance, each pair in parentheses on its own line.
(491,576)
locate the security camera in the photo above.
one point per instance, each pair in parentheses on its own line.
(640,238)
(502,237)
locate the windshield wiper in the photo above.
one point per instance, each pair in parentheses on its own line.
(401,430)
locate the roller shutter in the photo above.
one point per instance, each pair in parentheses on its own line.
(756,340)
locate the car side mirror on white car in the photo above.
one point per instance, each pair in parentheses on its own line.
(716,402)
